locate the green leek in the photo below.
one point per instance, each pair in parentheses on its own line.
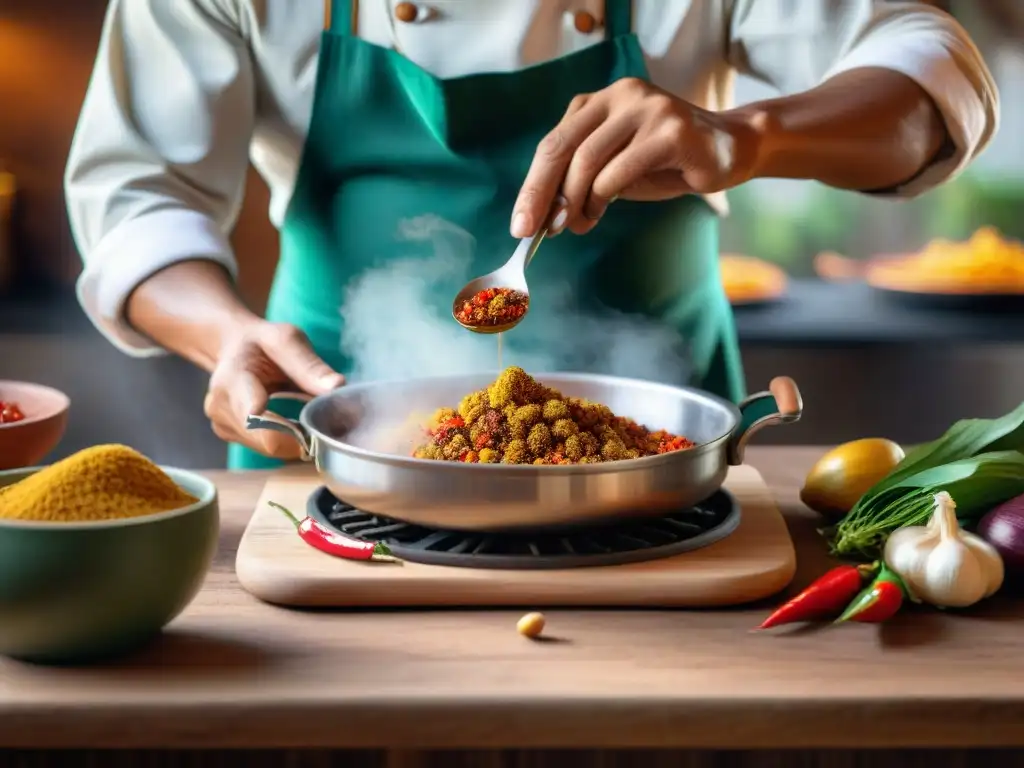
(979,462)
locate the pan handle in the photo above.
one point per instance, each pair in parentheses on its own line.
(278,423)
(784,394)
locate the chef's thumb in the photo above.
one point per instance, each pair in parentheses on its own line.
(304,367)
(248,396)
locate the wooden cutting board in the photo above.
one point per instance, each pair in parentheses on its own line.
(755,561)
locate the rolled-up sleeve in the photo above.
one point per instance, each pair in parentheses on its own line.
(797,45)
(157,167)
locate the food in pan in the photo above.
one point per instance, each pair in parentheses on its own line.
(518,420)
(986,263)
(493,306)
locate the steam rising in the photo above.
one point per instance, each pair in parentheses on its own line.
(398,324)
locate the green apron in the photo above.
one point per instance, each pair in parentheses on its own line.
(390,144)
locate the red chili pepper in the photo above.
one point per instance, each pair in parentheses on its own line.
(824,598)
(879,601)
(338,544)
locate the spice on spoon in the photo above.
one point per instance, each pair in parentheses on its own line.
(825,598)
(493,306)
(337,544)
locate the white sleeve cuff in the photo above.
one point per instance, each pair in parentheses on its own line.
(132,252)
(951,71)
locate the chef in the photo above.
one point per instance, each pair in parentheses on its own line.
(610,120)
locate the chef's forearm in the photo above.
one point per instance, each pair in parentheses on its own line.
(865,130)
(189,308)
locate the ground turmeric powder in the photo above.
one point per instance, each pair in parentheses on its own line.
(105,482)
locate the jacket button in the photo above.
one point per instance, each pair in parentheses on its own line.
(407,12)
(584,22)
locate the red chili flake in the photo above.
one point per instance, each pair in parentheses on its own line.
(673,443)
(493,306)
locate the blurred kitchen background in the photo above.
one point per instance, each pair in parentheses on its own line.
(866,364)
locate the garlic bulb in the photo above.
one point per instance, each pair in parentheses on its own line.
(942,564)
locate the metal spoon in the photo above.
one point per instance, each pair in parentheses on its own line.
(512,274)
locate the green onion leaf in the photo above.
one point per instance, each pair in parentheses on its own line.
(979,462)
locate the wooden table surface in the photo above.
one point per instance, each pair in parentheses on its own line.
(233,672)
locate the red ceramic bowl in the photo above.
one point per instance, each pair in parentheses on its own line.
(25,443)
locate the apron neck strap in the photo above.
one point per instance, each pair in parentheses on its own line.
(341,16)
(618,17)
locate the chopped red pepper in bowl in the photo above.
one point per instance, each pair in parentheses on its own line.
(493,306)
(10,412)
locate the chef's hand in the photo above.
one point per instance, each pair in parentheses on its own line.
(633,141)
(259,359)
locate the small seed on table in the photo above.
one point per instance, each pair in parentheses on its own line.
(531,625)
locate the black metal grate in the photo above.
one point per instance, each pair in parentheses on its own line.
(610,544)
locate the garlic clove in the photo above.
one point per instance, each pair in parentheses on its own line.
(953,577)
(989,559)
(907,552)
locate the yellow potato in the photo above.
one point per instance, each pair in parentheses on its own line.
(531,625)
(844,474)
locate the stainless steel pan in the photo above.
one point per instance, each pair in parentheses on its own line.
(360,439)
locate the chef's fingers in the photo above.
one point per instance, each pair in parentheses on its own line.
(234,394)
(217,407)
(247,395)
(289,348)
(550,162)
(559,216)
(272,444)
(227,435)
(596,150)
(660,185)
(631,167)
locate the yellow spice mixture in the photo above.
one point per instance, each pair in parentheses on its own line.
(105,482)
(518,420)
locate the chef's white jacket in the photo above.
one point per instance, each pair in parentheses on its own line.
(185,93)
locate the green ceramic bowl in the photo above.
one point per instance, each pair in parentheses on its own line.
(78,592)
